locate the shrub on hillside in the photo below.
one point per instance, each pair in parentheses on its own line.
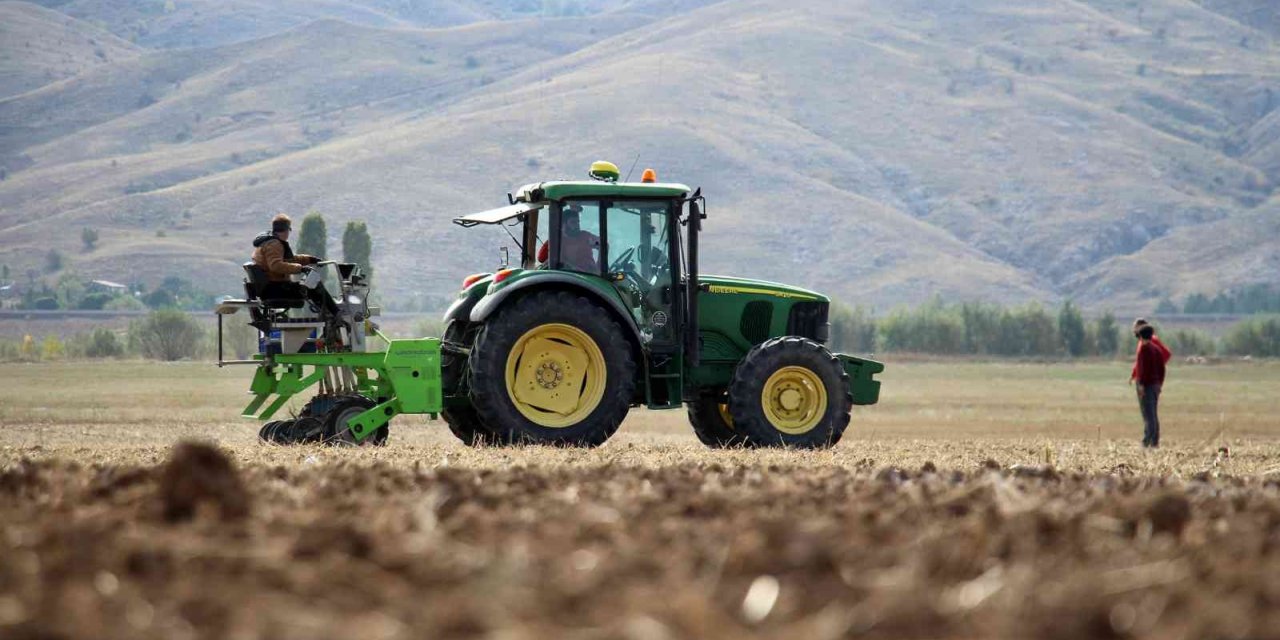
(103,343)
(166,334)
(52,348)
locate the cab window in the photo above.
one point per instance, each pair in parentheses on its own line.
(638,263)
(580,236)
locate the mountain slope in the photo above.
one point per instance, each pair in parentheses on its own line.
(39,46)
(882,150)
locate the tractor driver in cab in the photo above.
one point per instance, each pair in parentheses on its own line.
(577,247)
(276,258)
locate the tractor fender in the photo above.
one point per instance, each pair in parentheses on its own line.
(491,302)
(461,309)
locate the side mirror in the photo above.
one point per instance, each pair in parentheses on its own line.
(504,258)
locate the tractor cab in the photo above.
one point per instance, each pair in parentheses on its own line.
(620,238)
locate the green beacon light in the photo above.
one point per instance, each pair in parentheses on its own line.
(604,171)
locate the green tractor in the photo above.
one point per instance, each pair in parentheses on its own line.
(605,310)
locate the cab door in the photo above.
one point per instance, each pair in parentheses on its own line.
(638,263)
(637,249)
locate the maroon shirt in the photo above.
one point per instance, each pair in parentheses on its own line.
(1149,367)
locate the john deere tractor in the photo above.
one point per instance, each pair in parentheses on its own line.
(605,310)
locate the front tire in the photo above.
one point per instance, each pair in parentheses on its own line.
(552,368)
(790,392)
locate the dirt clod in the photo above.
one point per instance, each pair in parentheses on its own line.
(1169,514)
(199,475)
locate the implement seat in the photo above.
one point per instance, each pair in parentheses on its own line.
(255,284)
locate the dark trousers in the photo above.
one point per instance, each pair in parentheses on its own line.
(1148,399)
(294,290)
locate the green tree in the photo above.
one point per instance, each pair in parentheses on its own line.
(1190,342)
(357,246)
(1258,337)
(933,328)
(852,330)
(89,237)
(103,343)
(53,261)
(313,236)
(1071,330)
(69,291)
(239,340)
(1106,335)
(1166,307)
(4,273)
(167,334)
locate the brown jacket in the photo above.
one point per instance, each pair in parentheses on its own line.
(272,257)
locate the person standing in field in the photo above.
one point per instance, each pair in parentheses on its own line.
(1148,373)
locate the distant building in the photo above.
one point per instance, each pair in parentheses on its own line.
(107,286)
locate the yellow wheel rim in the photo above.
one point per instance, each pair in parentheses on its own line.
(794,400)
(556,375)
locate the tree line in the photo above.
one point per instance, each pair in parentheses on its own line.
(1258,298)
(1029,331)
(164,334)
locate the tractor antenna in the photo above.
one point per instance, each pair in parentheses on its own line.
(633,168)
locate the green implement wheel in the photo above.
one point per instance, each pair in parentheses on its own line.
(790,392)
(552,368)
(712,423)
(336,431)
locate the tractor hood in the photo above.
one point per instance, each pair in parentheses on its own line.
(731,285)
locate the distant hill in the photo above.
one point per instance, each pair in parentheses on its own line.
(168,24)
(39,46)
(885,151)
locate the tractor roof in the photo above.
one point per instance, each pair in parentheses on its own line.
(559,190)
(533,196)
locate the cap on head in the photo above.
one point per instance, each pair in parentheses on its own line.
(282,222)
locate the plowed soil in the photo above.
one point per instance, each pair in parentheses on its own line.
(114,527)
(203,547)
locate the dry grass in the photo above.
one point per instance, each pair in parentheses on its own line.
(954,414)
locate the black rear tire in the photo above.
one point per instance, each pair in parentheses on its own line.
(746,404)
(709,423)
(500,335)
(464,423)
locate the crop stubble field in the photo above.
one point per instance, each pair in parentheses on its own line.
(978,499)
